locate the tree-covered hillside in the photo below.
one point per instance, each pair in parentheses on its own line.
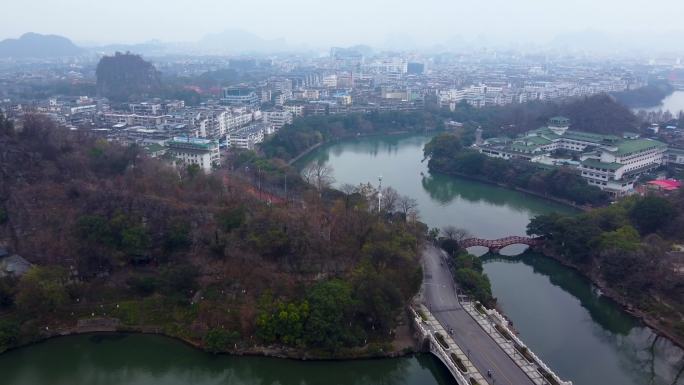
(112,234)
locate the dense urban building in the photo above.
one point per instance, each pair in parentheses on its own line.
(194,151)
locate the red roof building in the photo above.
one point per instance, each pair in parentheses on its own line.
(665,184)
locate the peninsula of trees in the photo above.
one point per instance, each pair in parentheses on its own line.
(119,238)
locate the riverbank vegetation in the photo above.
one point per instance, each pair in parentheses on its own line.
(448,156)
(627,248)
(648,96)
(599,113)
(122,240)
(466,268)
(304,133)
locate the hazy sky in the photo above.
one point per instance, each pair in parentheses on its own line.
(321,22)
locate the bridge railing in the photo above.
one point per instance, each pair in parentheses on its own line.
(438,350)
(499,243)
(499,319)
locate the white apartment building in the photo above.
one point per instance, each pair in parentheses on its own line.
(246,138)
(330,81)
(202,152)
(294,109)
(277,119)
(231,120)
(149,121)
(146,108)
(615,169)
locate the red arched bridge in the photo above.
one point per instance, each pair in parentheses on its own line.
(494,245)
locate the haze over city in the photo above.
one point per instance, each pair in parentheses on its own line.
(315,24)
(253,192)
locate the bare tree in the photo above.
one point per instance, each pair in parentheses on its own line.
(319,175)
(389,200)
(349,189)
(407,205)
(455,233)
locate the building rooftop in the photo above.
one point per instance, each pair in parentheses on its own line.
(627,147)
(537,140)
(559,121)
(153,147)
(195,143)
(591,137)
(666,184)
(595,163)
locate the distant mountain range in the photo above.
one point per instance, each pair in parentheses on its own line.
(33,45)
(235,41)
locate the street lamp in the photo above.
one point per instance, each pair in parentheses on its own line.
(379,192)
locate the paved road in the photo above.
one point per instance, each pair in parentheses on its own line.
(484,353)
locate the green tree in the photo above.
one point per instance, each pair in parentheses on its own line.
(42,290)
(625,238)
(330,319)
(220,340)
(475,284)
(651,213)
(9,333)
(179,279)
(231,219)
(281,322)
(94,230)
(443,146)
(543,225)
(177,236)
(135,241)
(378,300)
(193,170)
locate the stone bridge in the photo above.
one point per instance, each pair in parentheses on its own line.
(495,245)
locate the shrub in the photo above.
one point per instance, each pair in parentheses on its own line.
(220,340)
(441,340)
(549,378)
(422,315)
(9,330)
(458,363)
(525,352)
(143,285)
(503,332)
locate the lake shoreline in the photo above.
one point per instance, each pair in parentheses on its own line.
(464,176)
(307,151)
(549,198)
(618,299)
(112,326)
